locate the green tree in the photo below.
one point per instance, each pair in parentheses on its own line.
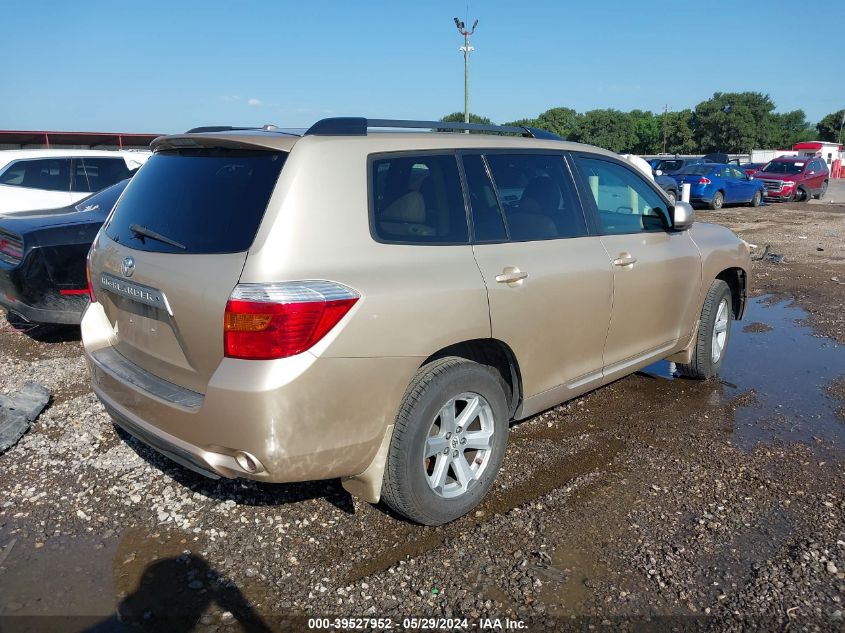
(788,128)
(561,121)
(680,138)
(458,117)
(610,129)
(522,123)
(828,128)
(733,122)
(647,131)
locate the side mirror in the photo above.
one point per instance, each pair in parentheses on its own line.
(683,216)
(658,172)
(811,173)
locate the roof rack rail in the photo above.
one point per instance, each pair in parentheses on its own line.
(358,126)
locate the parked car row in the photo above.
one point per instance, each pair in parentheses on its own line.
(714,184)
(375,307)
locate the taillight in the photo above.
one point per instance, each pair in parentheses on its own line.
(11,249)
(277,320)
(88,278)
(704,181)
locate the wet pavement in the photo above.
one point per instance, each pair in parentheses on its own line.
(652,496)
(784,370)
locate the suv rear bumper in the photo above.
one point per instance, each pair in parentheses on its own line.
(302,418)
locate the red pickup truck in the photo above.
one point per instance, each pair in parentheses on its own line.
(796,178)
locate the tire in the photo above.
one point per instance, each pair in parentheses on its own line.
(717,306)
(420,428)
(673,197)
(802,196)
(821,194)
(717,201)
(756,199)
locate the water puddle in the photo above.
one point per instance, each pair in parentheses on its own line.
(787,369)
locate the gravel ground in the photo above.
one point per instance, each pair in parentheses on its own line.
(654,503)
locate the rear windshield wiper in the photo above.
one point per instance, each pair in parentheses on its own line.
(142,232)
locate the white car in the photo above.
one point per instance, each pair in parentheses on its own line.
(50,178)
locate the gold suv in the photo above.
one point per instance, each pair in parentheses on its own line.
(379,306)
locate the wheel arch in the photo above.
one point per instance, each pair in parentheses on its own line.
(495,354)
(737,280)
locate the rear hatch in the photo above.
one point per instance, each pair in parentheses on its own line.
(173,250)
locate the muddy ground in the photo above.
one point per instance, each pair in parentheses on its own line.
(654,503)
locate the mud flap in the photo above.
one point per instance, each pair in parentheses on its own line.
(367,485)
(18,412)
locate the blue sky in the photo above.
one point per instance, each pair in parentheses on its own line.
(153,66)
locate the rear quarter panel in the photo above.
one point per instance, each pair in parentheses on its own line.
(415,299)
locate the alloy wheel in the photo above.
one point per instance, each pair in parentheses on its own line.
(459,445)
(720,331)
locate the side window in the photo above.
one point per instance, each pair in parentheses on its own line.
(735,173)
(625,202)
(537,196)
(486,217)
(52,174)
(418,199)
(95,174)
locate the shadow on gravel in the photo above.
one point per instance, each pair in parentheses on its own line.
(44,332)
(243,491)
(173,594)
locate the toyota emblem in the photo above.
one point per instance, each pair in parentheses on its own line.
(128,266)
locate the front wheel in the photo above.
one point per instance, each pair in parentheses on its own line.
(448,441)
(802,196)
(757,199)
(717,201)
(714,333)
(673,197)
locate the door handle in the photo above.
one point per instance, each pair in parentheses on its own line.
(625,259)
(510,275)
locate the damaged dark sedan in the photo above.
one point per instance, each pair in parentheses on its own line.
(43,258)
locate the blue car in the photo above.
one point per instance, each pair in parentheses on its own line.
(718,184)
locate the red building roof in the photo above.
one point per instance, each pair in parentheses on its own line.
(813,145)
(90,139)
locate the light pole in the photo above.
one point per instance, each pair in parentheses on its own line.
(466,49)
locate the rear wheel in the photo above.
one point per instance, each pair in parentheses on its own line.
(717,201)
(714,332)
(448,442)
(822,193)
(757,199)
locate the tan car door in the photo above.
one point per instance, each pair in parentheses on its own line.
(656,271)
(549,283)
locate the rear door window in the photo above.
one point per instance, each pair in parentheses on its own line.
(487,223)
(94,174)
(537,196)
(209,201)
(51,174)
(417,199)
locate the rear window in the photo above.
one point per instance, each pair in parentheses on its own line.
(698,170)
(209,201)
(418,200)
(670,165)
